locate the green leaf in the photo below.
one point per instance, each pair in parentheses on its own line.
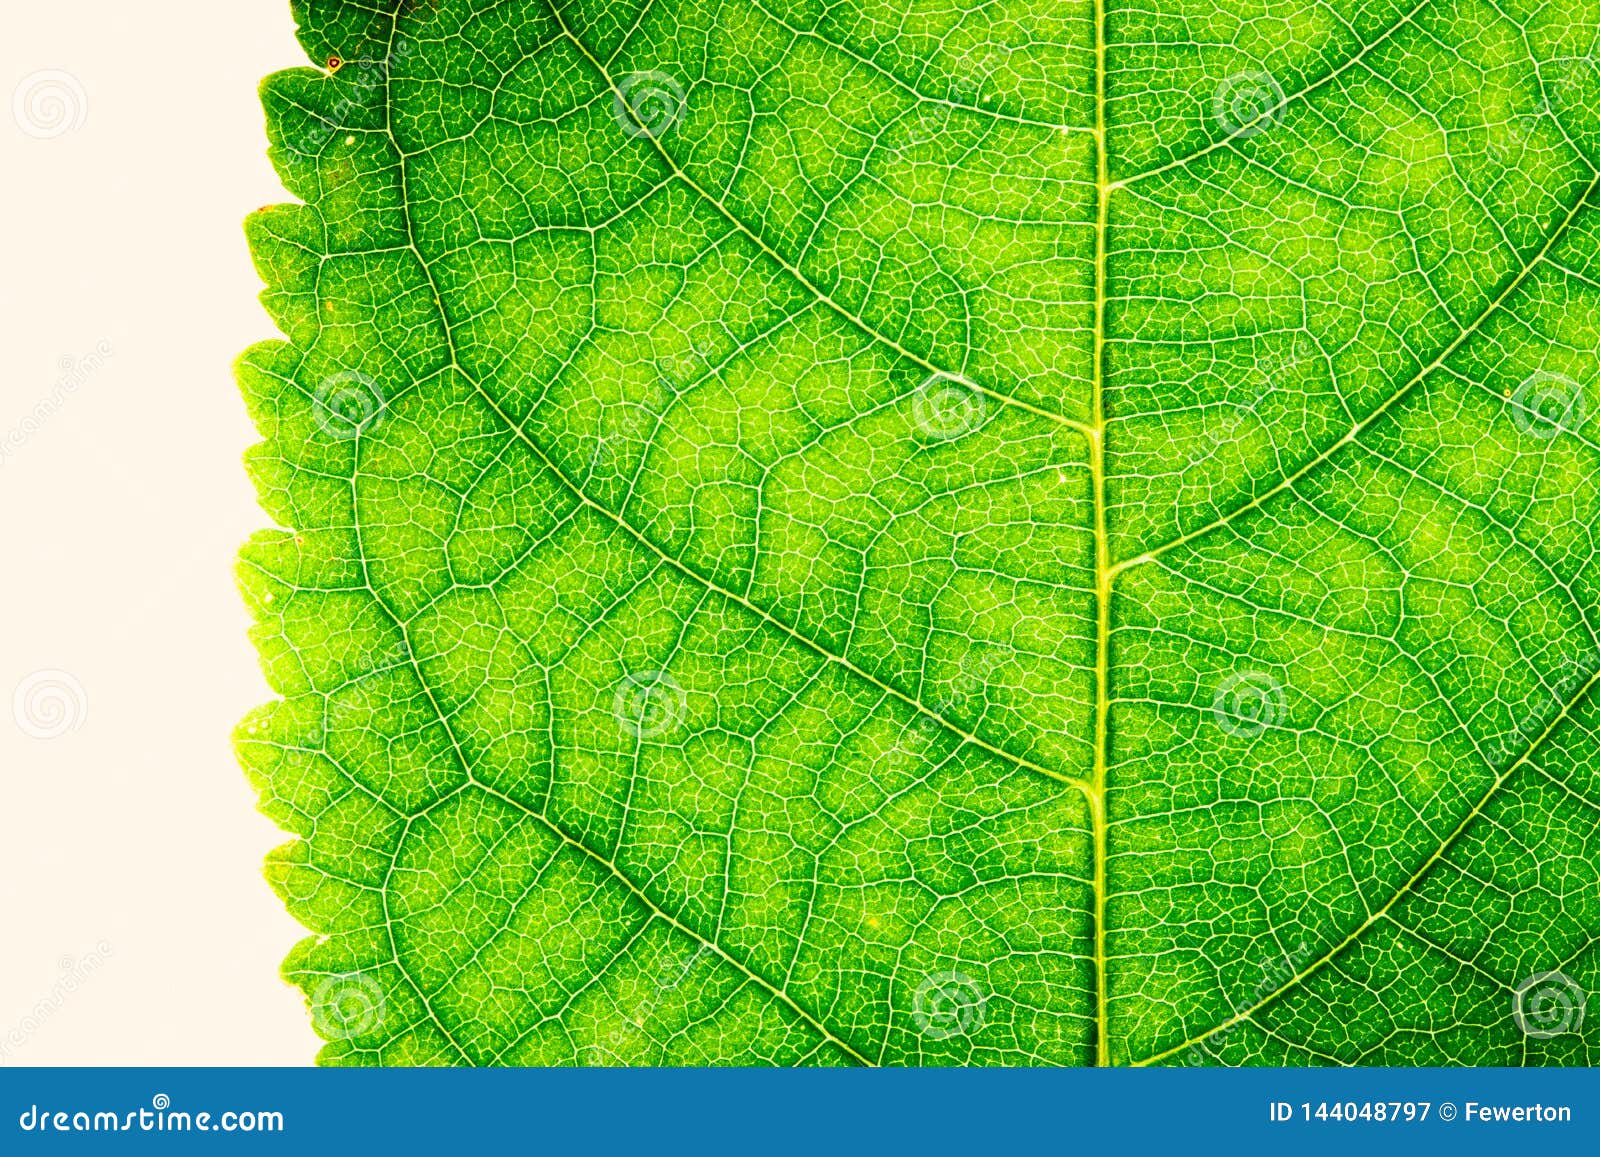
(898,533)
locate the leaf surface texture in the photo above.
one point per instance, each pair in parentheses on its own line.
(905,532)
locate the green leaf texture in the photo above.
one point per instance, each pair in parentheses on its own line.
(932,532)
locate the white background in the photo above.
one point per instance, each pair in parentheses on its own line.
(136,925)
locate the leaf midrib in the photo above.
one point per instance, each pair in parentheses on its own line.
(1104,576)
